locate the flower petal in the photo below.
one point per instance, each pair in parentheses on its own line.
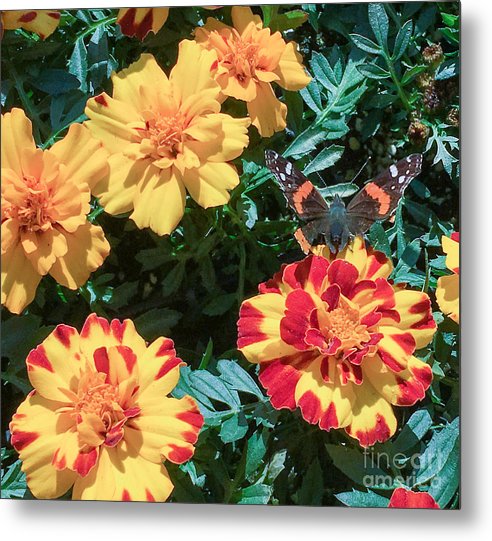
(55,365)
(159,201)
(41,21)
(87,249)
(408,499)
(19,280)
(448,296)
(267,113)
(242,16)
(291,72)
(84,157)
(139,22)
(414,308)
(36,433)
(42,248)
(17,135)
(209,185)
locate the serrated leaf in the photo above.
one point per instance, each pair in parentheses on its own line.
(306,142)
(356,498)
(448,69)
(255,494)
(77,65)
(213,387)
(312,97)
(323,71)
(234,428)
(255,452)
(325,159)
(416,428)
(239,380)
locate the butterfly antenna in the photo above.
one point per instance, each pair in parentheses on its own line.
(361,169)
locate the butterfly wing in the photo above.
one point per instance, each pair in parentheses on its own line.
(301,194)
(379,198)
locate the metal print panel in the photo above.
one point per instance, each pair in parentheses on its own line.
(230,254)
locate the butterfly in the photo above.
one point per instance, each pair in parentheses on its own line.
(335,224)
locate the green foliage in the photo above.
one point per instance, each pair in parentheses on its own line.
(372,94)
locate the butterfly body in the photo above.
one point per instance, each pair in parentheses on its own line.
(335,224)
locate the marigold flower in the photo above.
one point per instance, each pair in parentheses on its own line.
(408,499)
(250,59)
(45,201)
(166,136)
(98,419)
(138,22)
(41,21)
(336,339)
(448,287)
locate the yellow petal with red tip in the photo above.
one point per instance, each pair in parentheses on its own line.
(41,22)
(451,248)
(267,113)
(37,431)
(415,313)
(138,22)
(373,418)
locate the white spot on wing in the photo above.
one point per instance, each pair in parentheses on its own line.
(282,176)
(288,168)
(393,170)
(402,179)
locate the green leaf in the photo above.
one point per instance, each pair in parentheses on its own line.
(379,239)
(440,463)
(323,71)
(13,484)
(344,189)
(365,44)
(402,40)
(234,428)
(373,71)
(157,322)
(214,388)
(55,81)
(325,159)
(378,19)
(288,21)
(356,498)
(311,491)
(411,73)
(173,279)
(77,65)
(311,95)
(306,142)
(448,69)
(255,494)
(220,304)
(416,428)
(255,452)
(238,379)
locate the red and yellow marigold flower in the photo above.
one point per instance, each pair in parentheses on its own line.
(42,21)
(138,22)
(448,287)
(45,202)
(98,419)
(335,338)
(250,59)
(408,499)
(166,136)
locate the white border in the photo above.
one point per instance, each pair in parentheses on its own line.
(92,520)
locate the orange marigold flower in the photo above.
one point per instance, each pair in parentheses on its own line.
(448,287)
(336,339)
(408,499)
(98,419)
(166,136)
(45,201)
(42,21)
(250,59)
(138,22)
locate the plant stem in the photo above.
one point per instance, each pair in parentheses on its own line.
(396,81)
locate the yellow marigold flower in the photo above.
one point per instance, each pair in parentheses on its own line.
(138,22)
(448,287)
(45,201)
(166,136)
(42,22)
(250,59)
(335,338)
(98,419)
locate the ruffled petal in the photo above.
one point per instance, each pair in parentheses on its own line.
(17,135)
(290,71)
(42,248)
(242,16)
(19,280)
(267,113)
(87,248)
(36,433)
(209,185)
(415,311)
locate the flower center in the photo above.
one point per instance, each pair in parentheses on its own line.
(99,398)
(242,58)
(343,323)
(34,213)
(163,135)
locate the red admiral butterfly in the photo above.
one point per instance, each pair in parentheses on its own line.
(334,224)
